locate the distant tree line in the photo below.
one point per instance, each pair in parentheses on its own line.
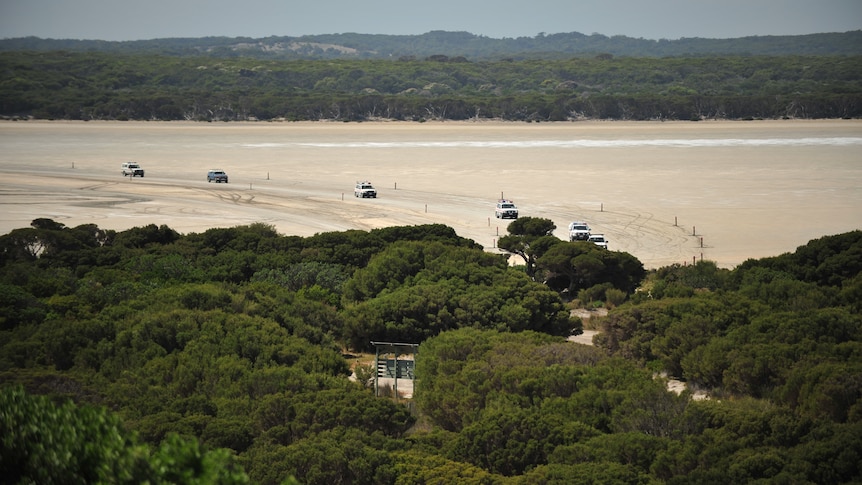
(100,86)
(224,356)
(457,44)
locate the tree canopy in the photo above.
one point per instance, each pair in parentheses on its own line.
(93,85)
(233,356)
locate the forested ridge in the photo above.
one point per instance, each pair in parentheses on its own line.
(224,357)
(458,44)
(97,85)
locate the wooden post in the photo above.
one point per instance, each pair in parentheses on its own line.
(376,369)
(395,387)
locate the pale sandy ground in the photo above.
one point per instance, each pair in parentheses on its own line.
(656,190)
(674,385)
(404,387)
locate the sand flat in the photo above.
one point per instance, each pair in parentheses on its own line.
(671,192)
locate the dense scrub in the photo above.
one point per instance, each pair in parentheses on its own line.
(787,328)
(103,86)
(225,351)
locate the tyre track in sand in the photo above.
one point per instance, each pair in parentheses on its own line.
(307,208)
(654,241)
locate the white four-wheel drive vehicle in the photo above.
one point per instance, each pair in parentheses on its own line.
(364,189)
(506,209)
(217,176)
(598,240)
(579,231)
(132,169)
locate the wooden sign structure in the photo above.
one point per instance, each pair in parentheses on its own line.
(389,365)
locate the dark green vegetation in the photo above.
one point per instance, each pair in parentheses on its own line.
(134,86)
(45,442)
(221,357)
(458,45)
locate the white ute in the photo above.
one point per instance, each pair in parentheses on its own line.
(579,231)
(598,240)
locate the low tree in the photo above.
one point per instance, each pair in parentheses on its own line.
(576,266)
(529,238)
(415,290)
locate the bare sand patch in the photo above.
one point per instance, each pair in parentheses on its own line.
(585,338)
(674,385)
